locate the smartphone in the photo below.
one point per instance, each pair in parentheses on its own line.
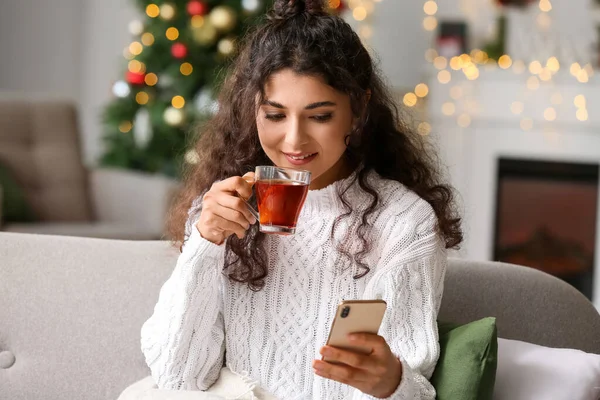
(355,316)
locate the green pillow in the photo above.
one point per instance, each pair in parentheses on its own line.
(14,204)
(466,369)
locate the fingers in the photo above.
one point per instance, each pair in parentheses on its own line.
(341,373)
(235,185)
(369,340)
(225,226)
(349,358)
(238,210)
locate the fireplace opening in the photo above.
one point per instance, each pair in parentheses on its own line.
(546,217)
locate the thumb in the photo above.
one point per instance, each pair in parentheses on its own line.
(249,177)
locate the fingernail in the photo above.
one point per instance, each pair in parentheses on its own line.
(326,352)
(352,337)
(318,367)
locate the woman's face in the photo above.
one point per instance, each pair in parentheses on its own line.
(303,123)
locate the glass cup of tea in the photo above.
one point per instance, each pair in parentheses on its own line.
(280,195)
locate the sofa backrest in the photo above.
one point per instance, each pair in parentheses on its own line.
(40,145)
(529,305)
(71,310)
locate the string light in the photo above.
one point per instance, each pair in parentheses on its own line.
(545,75)
(136,48)
(464,120)
(410,99)
(421,90)
(550,114)
(152,10)
(582,76)
(535,67)
(505,62)
(440,62)
(574,69)
(430,23)
(580,101)
(444,77)
(125,126)
(197,21)
(172,33)
(553,65)
(582,114)
(148,39)
(151,79)
(142,98)
(178,102)
(136,67)
(456,63)
(186,69)
(545,5)
(430,7)
(359,13)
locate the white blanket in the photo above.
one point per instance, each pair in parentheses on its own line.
(229,386)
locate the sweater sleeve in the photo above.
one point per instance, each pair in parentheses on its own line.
(183,341)
(410,279)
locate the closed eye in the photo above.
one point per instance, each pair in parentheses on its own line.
(275,117)
(322,118)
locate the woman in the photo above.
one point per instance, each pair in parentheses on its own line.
(303,93)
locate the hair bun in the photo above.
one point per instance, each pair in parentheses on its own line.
(285,9)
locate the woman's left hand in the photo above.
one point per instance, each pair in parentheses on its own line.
(377,374)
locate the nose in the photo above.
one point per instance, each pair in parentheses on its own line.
(296,135)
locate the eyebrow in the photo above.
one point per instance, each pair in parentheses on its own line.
(308,107)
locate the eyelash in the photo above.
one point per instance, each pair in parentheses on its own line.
(318,118)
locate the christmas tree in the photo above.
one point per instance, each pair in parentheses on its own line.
(173,66)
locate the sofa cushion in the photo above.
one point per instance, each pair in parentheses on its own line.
(39,142)
(527,371)
(466,368)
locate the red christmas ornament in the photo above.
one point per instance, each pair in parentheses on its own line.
(135,78)
(196,7)
(179,50)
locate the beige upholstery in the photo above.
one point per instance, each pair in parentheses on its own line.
(40,144)
(71,310)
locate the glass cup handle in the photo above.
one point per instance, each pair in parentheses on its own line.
(250,208)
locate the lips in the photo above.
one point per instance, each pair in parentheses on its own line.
(300,158)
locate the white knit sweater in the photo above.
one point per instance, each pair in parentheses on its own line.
(276,333)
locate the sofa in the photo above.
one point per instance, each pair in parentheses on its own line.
(40,148)
(71,310)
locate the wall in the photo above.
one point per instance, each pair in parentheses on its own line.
(40,47)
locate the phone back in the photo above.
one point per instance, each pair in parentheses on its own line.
(355,316)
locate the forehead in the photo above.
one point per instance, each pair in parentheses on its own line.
(288,87)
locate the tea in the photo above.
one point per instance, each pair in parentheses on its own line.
(279,204)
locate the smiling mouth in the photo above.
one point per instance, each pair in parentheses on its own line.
(300,157)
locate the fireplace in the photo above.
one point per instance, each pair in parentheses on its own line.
(546,215)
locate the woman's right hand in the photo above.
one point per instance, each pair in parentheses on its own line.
(224,213)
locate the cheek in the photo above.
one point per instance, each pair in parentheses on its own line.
(268,140)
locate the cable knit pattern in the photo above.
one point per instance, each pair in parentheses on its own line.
(275,334)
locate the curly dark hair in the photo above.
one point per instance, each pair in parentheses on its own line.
(301,36)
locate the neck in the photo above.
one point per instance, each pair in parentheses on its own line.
(340,170)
